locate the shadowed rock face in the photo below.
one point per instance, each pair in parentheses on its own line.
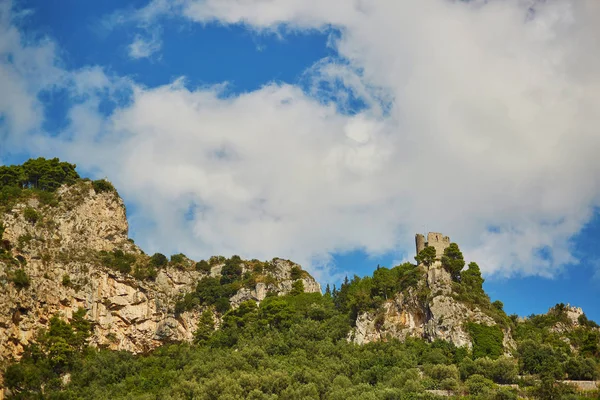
(128,314)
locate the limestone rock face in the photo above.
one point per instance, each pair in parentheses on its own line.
(573,314)
(127,313)
(572,319)
(281,272)
(83,219)
(440,316)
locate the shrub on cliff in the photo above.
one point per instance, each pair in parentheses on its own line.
(118,260)
(159,260)
(178,259)
(103,186)
(31,215)
(203,266)
(20,278)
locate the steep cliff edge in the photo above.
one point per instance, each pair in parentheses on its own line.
(74,252)
(435,306)
(430,311)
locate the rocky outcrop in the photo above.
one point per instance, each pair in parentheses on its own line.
(281,272)
(59,254)
(427,311)
(570,321)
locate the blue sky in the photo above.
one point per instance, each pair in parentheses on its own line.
(327,133)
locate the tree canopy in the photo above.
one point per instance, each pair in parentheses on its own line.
(453,261)
(39,173)
(426,256)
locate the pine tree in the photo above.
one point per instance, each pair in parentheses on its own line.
(206,327)
(426,256)
(453,261)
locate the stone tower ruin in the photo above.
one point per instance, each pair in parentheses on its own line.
(434,239)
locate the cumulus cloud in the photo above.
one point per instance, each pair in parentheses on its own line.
(493,119)
(479,119)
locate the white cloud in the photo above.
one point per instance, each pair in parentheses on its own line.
(25,70)
(494,113)
(144,47)
(477,115)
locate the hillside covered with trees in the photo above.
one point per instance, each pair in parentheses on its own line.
(292,344)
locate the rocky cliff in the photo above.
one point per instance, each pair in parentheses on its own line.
(66,255)
(430,310)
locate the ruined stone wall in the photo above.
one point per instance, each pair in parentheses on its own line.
(420,242)
(439,242)
(434,239)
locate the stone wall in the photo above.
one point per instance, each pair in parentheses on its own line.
(439,242)
(420,242)
(434,239)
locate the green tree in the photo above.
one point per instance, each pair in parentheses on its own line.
(590,346)
(426,256)
(327,288)
(538,358)
(206,327)
(158,260)
(203,266)
(12,176)
(498,305)
(232,270)
(487,340)
(295,273)
(579,368)
(453,261)
(222,305)
(82,328)
(118,260)
(471,278)
(385,282)
(209,290)
(297,288)
(276,313)
(479,385)
(48,175)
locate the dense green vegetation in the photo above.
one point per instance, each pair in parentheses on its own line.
(291,347)
(35,178)
(41,174)
(40,178)
(216,291)
(363,294)
(487,340)
(288,347)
